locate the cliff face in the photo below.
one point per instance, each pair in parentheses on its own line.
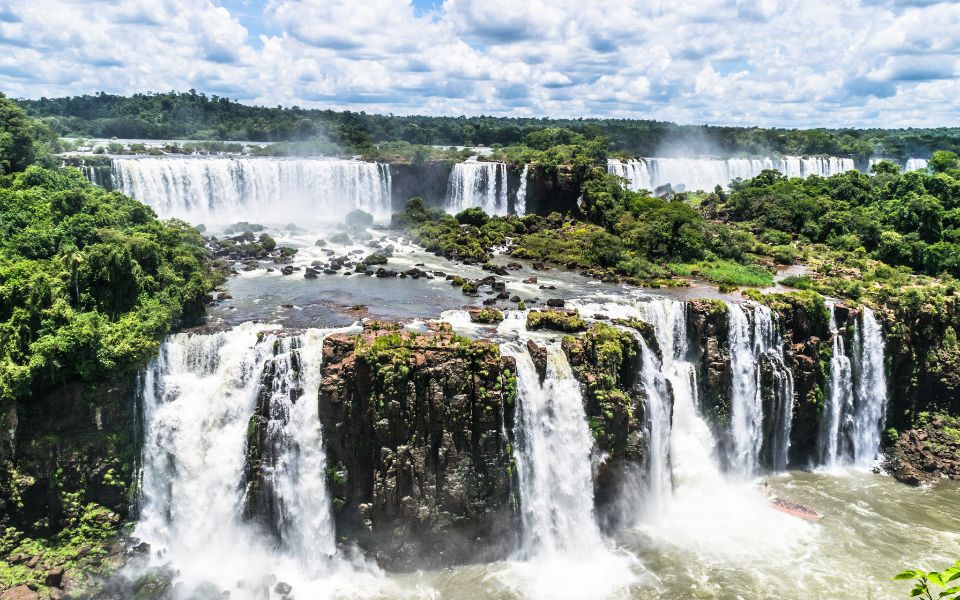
(425,180)
(549,191)
(419,432)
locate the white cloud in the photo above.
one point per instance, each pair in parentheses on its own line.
(766,62)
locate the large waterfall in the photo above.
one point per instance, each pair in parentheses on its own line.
(707,173)
(553,458)
(855,410)
(870,389)
(758,439)
(478,184)
(204,511)
(228,189)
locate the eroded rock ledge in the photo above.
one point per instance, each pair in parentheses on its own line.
(419,432)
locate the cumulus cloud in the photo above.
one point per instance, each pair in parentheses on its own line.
(764,62)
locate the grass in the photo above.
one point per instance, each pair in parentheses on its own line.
(725,272)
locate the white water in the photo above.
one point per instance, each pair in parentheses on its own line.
(478,184)
(840,405)
(199,395)
(563,554)
(870,389)
(658,412)
(753,339)
(520,205)
(912,164)
(226,190)
(692,174)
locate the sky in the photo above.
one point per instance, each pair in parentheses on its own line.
(785,63)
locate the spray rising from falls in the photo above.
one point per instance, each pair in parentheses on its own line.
(706,173)
(233,486)
(478,184)
(761,407)
(221,190)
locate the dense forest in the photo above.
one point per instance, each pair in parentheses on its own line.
(193,115)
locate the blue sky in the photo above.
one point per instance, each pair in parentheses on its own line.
(864,63)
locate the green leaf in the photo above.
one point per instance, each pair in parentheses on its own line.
(908,575)
(954,573)
(949,591)
(934,578)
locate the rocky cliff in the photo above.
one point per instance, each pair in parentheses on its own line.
(419,430)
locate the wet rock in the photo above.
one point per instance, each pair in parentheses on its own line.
(539,356)
(224,296)
(530,280)
(498,286)
(514,298)
(283,588)
(142,547)
(548,287)
(310,273)
(514,266)
(503,295)
(54,578)
(382,272)
(287,270)
(555,302)
(489,301)
(539,266)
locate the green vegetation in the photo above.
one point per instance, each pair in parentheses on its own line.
(89,280)
(557,320)
(934,582)
(486,316)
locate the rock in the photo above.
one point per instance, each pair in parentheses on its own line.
(33,562)
(539,266)
(142,547)
(555,302)
(286,306)
(383,272)
(539,356)
(514,298)
(56,594)
(283,588)
(530,280)
(441,274)
(503,295)
(20,592)
(489,301)
(310,273)
(498,286)
(287,270)
(54,578)
(548,287)
(600,317)
(514,266)
(224,296)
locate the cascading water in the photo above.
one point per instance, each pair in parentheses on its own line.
(658,416)
(912,164)
(199,398)
(553,445)
(758,439)
(478,184)
(870,389)
(706,173)
(839,407)
(520,204)
(855,411)
(220,190)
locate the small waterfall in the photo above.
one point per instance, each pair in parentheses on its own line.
(658,416)
(201,399)
(707,173)
(478,184)
(227,189)
(520,204)
(553,446)
(916,164)
(758,440)
(870,390)
(839,408)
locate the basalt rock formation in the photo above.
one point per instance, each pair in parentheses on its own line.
(419,431)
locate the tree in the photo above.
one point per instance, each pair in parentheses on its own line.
(72,259)
(17,137)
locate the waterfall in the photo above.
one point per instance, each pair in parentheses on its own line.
(478,184)
(693,458)
(839,406)
(553,445)
(658,412)
(707,173)
(916,164)
(520,204)
(228,189)
(856,405)
(201,399)
(758,439)
(870,390)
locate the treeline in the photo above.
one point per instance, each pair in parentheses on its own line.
(193,115)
